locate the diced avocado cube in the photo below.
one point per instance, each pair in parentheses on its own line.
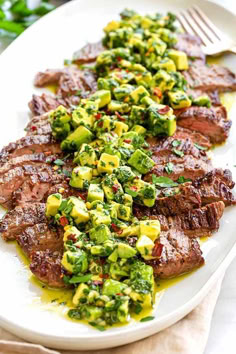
(147,101)
(138,94)
(80,293)
(148,193)
(145,246)
(108,163)
(113,210)
(179,99)
(103,97)
(53,204)
(95,192)
(156,45)
(122,91)
(144,78)
(113,287)
(79,211)
(111,186)
(165,63)
(80,175)
(116,106)
(106,84)
(180,59)
(104,124)
(203,100)
(128,200)
(161,120)
(123,312)
(81,117)
(86,156)
(59,119)
(113,256)
(124,212)
(100,234)
(132,230)
(129,137)
(125,251)
(120,128)
(141,162)
(122,76)
(80,136)
(167,36)
(142,282)
(111,26)
(75,262)
(100,217)
(117,271)
(164,81)
(91,107)
(137,114)
(124,174)
(147,23)
(93,313)
(150,228)
(71,230)
(139,129)
(97,250)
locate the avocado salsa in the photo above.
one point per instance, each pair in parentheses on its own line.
(105,247)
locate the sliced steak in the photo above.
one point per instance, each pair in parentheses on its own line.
(88,53)
(40,237)
(44,103)
(48,77)
(197,138)
(216,186)
(186,166)
(191,45)
(186,198)
(29,145)
(39,128)
(33,159)
(195,223)
(17,220)
(46,266)
(210,78)
(211,122)
(179,255)
(213,95)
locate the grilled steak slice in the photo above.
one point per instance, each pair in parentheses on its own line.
(211,122)
(191,45)
(197,138)
(48,77)
(44,103)
(32,159)
(39,128)
(210,78)
(179,255)
(186,166)
(88,53)
(46,266)
(196,223)
(29,145)
(187,198)
(40,237)
(17,220)
(215,186)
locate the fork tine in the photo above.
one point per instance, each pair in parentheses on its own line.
(197,30)
(210,24)
(198,19)
(184,24)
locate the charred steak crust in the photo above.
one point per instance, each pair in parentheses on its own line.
(17,220)
(179,255)
(211,122)
(88,53)
(46,266)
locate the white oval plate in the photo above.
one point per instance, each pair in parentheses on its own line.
(45,45)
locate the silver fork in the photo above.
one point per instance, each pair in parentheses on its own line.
(214,42)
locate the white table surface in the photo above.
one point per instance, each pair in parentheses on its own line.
(223,328)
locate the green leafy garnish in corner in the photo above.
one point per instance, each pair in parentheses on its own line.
(16,15)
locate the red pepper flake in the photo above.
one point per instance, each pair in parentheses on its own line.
(64,221)
(116,229)
(118,58)
(98,116)
(33,128)
(157,249)
(101,261)
(163,110)
(127,70)
(127,141)
(104,276)
(97,282)
(119,294)
(134,188)
(157,92)
(100,124)
(72,237)
(115,187)
(119,116)
(82,195)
